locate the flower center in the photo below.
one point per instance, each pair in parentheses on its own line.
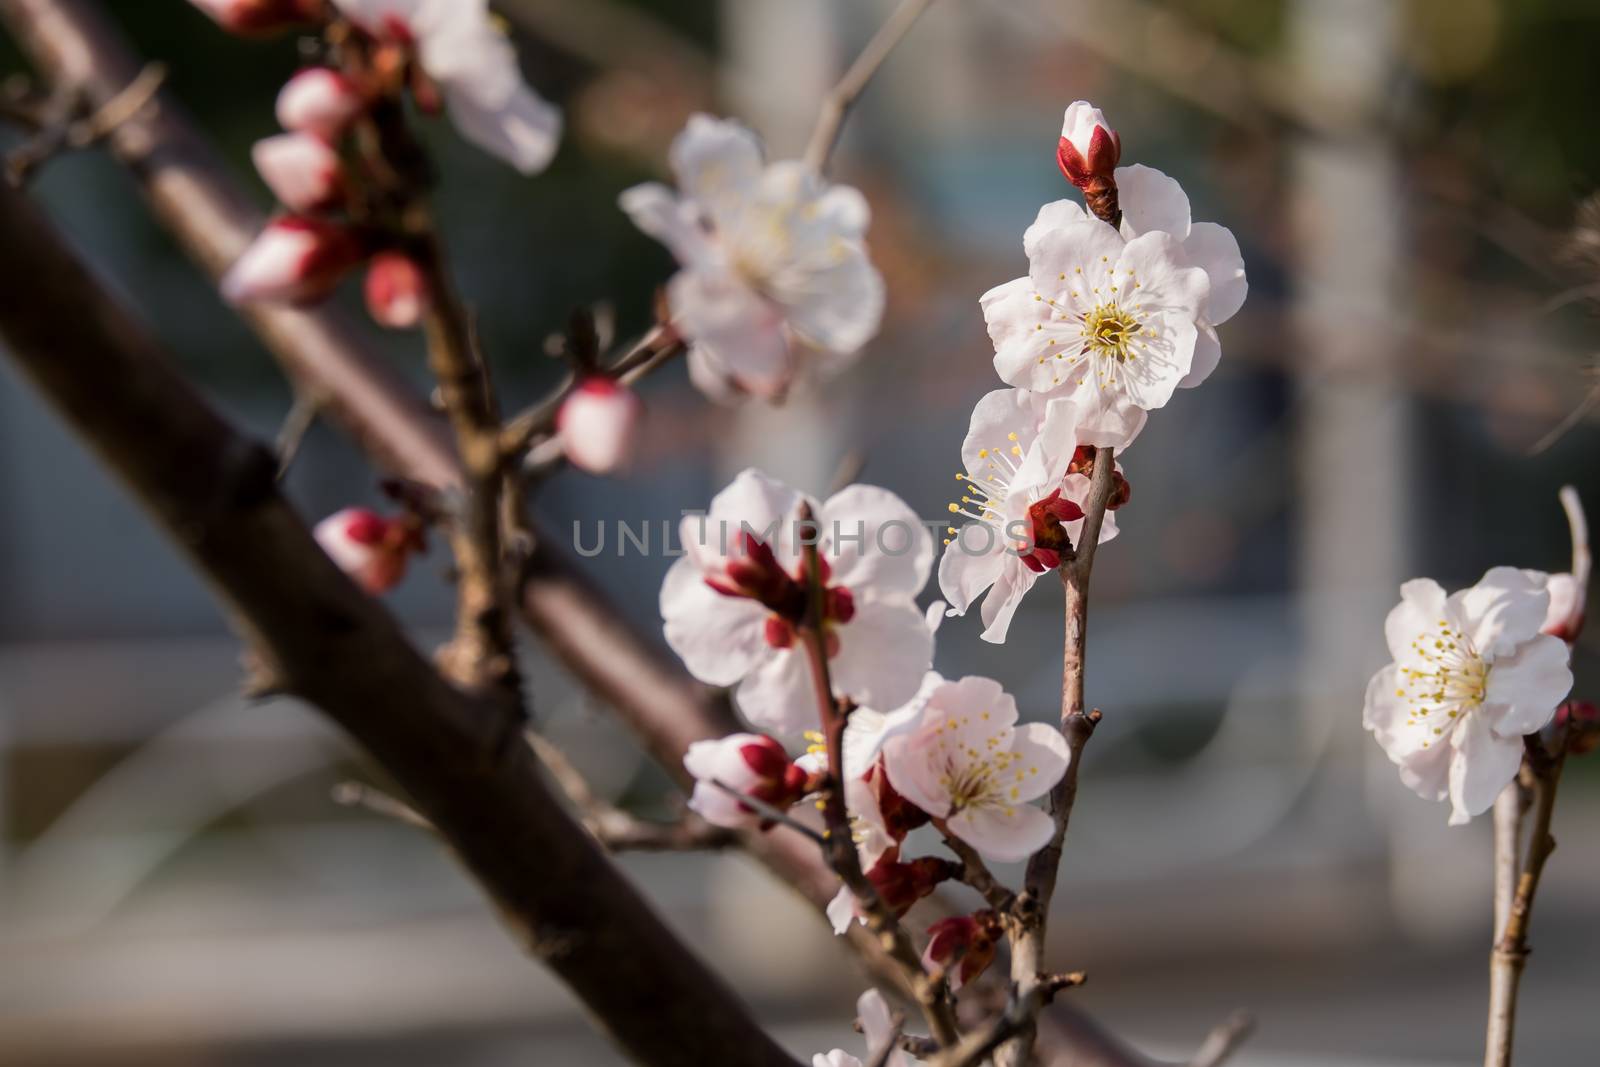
(975,777)
(1109,330)
(1452,680)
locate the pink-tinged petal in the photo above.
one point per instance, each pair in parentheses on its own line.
(1042,758)
(717,162)
(1482,766)
(778,695)
(884,651)
(716,309)
(874,542)
(1423,607)
(906,761)
(1010,312)
(1502,611)
(1054,214)
(719,638)
(1386,713)
(1004,835)
(293,260)
(1151,201)
(320,101)
(964,574)
(1426,772)
(1568,603)
(996,416)
(657,211)
(1525,687)
(1214,250)
(300,169)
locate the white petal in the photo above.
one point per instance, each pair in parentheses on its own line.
(778,695)
(658,212)
(745,331)
(995,416)
(841,909)
(719,638)
(1482,766)
(1214,250)
(884,651)
(1525,687)
(523,129)
(717,162)
(837,307)
(1042,756)
(1004,835)
(1056,213)
(1503,610)
(964,574)
(1151,201)
(875,542)
(1207,354)
(1063,250)
(1004,596)
(1423,606)
(877,1023)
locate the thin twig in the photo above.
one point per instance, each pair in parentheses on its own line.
(302,416)
(1564,427)
(1578,527)
(1223,1041)
(773,814)
(615,828)
(360,795)
(58,123)
(837,104)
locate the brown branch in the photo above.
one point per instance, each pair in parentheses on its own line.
(837,104)
(458,757)
(197,198)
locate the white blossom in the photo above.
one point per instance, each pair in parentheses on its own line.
(1025,504)
(1471,675)
(773,258)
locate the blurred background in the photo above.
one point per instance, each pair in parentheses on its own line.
(1404,392)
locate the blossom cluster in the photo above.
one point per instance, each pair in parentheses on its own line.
(811,627)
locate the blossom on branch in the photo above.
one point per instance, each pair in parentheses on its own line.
(1087,155)
(302,171)
(319,101)
(751,765)
(1154,203)
(773,258)
(1026,503)
(1471,675)
(1110,323)
(958,753)
(461,50)
(737,603)
(597,424)
(295,259)
(370,548)
(878,1027)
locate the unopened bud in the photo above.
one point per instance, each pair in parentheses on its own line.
(396,290)
(256,17)
(1087,154)
(597,424)
(962,946)
(302,171)
(901,885)
(1565,617)
(750,765)
(319,101)
(295,259)
(370,548)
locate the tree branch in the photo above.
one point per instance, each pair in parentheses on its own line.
(837,104)
(459,757)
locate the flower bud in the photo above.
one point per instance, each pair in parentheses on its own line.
(962,946)
(302,171)
(597,424)
(751,765)
(1567,607)
(319,101)
(901,885)
(255,17)
(295,259)
(1579,720)
(1087,154)
(371,549)
(396,291)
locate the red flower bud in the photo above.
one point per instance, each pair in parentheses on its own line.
(962,946)
(396,291)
